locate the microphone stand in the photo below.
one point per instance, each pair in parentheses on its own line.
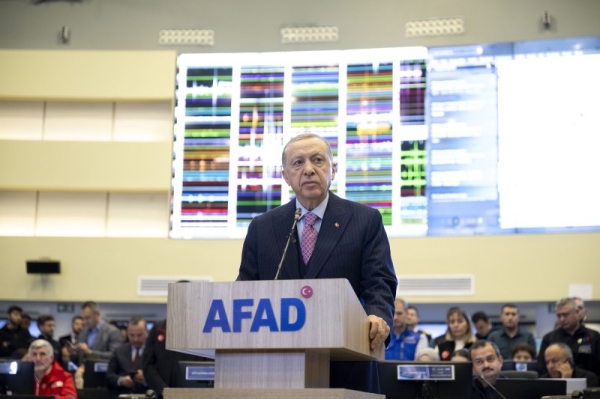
(287,244)
(491,386)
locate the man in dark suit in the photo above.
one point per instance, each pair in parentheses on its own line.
(349,238)
(46,324)
(98,340)
(160,365)
(124,374)
(68,343)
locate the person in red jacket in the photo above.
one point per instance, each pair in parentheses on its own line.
(50,377)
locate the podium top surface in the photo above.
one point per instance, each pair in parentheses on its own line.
(321,315)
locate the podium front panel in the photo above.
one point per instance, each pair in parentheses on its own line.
(321,315)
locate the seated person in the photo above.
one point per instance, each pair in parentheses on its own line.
(427,355)
(523,353)
(559,363)
(50,378)
(460,355)
(124,374)
(487,364)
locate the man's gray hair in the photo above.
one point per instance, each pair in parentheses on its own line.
(564,348)
(570,302)
(42,343)
(306,136)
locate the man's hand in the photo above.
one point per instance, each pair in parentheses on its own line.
(139,378)
(69,349)
(378,332)
(565,369)
(84,348)
(126,382)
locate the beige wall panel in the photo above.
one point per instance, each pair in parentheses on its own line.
(506,268)
(78,121)
(17,213)
(21,120)
(85,166)
(137,215)
(143,121)
(107,269)
(71,214)
(87,75)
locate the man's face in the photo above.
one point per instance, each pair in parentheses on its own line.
(522,357)
(15,317)
(555,358)
(308,171)
(42,359)
(483,327)
(77,326)
(412,319)
(399,316)
(509,317)
(90,318)
(137,334)
(25,322)
(486,363)
(47,328)
(567,317)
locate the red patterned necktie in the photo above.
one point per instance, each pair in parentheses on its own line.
(309,236)
(136,359)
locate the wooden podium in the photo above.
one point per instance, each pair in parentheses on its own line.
(272,339)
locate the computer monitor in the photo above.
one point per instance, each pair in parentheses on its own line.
(94,374)
(520,366)
(425,380)
(526,389)
(16,378)
(195,374)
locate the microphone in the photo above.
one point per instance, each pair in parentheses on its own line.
(287,244)
(491,386)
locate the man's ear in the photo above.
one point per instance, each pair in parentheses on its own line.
(333,170)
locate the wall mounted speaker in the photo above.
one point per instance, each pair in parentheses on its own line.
(43,267)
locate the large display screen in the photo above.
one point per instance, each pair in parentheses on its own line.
(482,139)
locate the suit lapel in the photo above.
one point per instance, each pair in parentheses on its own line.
(128,362)
(334,223)
(282,226)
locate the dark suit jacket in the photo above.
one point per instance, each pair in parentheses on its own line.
(159,364)
(107,340)
(352,244)
(63,342)
(121,365)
